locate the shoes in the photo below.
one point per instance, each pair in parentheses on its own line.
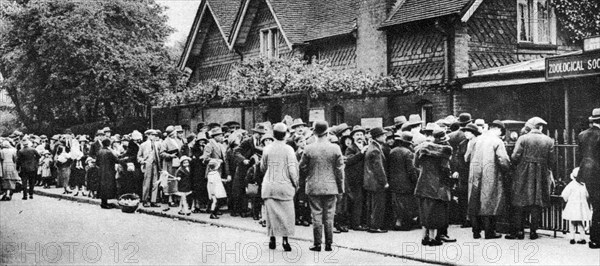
(445,238)
(337,230)
(328,247)
(154,205)
(166,209)
(344,229)
(24,198)
(181,213)
(519,235)
(572,241)
(234,214)
(359,228)
(594,245)
(431,242)
(533,236)
(315,248)
(255,218)
(30,196)
(582,242)
(476,235)
(146,204)
(493,236)
(76,194)
(172,204)
(196,210)
(214,216)
(286,247)
(377,231)
(106,206)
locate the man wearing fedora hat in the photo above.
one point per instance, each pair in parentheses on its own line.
(489,162)
(414,125)
(148,157)
(589,172)
(403,178)
(457,163)
(217,149)
(248,148)
(375,180)
(533,155)
(323,164)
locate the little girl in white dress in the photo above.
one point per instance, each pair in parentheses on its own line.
(577,208)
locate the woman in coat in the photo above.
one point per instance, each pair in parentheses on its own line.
(63,163)
(10,176)
(198,174)
(106,162)
(279,186)
(170,151)
(432,188)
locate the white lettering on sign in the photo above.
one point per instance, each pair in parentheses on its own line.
(574,66)
(592,43)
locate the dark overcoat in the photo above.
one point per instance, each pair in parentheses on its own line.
(106,161)
(433,160)
(402,172)
(355,172)
(589,166)
(375,177)
(533,154)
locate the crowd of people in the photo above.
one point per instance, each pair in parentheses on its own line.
(337,178)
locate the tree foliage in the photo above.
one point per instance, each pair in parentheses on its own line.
(579,18)
(72,61)
(258,77)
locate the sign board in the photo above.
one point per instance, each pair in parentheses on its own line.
(371,122)
(591,44)
(572,66)
(316,114)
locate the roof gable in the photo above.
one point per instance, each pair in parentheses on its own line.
(247,12)
(416,10)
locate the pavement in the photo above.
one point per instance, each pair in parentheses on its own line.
(403,246)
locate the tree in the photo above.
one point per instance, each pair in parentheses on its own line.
(579,18)
(70,61)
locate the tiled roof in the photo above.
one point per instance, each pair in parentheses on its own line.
(225,11)
(294,17)
(415,10)
(331,18)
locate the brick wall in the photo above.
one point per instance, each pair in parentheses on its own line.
(417,53)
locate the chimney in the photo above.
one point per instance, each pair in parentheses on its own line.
(371,43)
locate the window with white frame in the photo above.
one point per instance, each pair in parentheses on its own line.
(536,22)
(269,40)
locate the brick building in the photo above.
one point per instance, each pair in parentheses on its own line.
(480,48)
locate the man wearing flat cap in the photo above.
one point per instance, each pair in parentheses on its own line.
(589,172)
(533,155)
(375,180)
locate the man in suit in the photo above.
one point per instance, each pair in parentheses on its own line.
(375,180)
(323,164)
(402,179)
(27,161)
(355,163)
(216,149)
(97,145)
(589,172)
(148,157)
(247,149)
(459,167)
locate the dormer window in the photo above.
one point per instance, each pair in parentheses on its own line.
(268,43)
(536,22)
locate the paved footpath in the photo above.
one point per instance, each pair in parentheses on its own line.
(404,247)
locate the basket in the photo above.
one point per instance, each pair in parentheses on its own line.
(129,202)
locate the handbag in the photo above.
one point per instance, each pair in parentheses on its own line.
(252,190)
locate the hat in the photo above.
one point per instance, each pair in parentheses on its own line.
(297,122)
(169,129)
(82,138)
(451,119)
(178,128)
(430,127)
(471,128)
(499,124)
(266,137)
(399,121)
(405,137)
(440,135)
(260,128)
(333,139)
(100,132)
(106,129)
(225,129)
(479,122)
(57,137)
(464,118)
(232,124)
(321,127)
(116,138)
(43,137)
(534,121)
(213,125)
(136,135)
(47,152)
(376,132)
(342,127)
(68,131)
(184,158)
(575,173)
(443,123)
(595,115)
(280,127)
(148,132)
(215,131)
(413,120)
(357,128)
(201,136)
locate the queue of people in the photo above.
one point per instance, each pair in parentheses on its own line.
(337,178)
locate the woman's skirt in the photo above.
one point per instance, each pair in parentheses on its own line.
(10,176)
(433,213)
(77,177)
(280,217)
(63,175)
